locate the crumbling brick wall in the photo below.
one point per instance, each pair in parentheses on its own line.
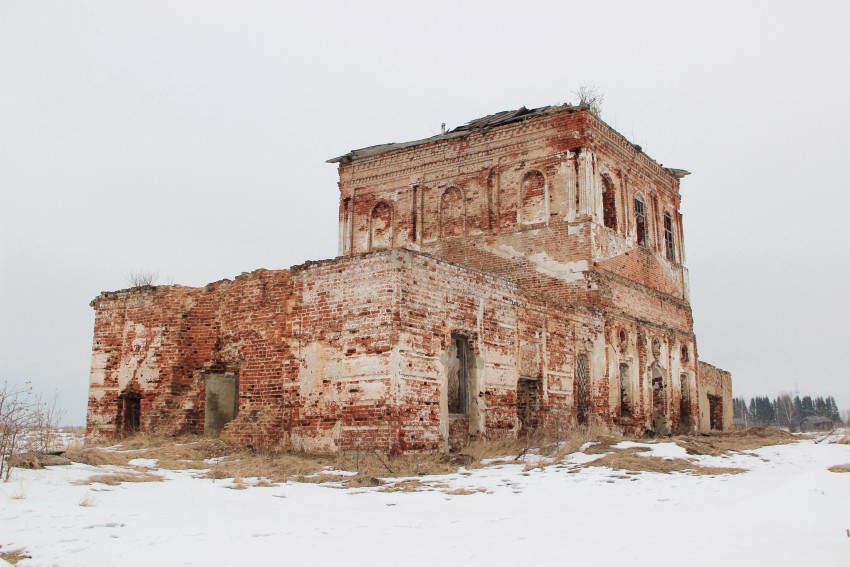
(527,201)
(542,256)
(715,398)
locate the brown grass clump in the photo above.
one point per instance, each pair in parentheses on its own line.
(323,478)
(717,444)
(843,441)
(13,556)
(552,441)
(275,467)
(509,449)
(96,456)
(116,478)
(840,468)
(412,485)
(177,453)
(631,460)
(606,445)
(375,464)
(464,491)
(87,501)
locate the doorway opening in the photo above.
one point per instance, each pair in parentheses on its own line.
(659,402)
(222,396)
(129,413)
(458,375)
(715,412)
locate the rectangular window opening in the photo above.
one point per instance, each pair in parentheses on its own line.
(640,222)
(669,242)
(582,387)
(625,408)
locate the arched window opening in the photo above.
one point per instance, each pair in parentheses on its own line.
(609,204)
(686,355)
(669,239)
(533,194)
(640,220)
(381,227)
(458,375)
(452,214)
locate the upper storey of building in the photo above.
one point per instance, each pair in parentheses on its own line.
(554,188)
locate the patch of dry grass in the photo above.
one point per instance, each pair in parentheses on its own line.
(843,441)
(840,468)
(19,494)
(97,456)
(115,478)
(412,485)
(25,461)
(716,443)
(275,467)
(13,556)
(631,460)
(506,448)
(87,501)
(464,491)
(373,463)
(323,478)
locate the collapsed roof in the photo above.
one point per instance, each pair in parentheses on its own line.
(484,123)
(491,121)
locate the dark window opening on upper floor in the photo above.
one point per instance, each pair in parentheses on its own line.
(609,204)
(640,221)
(669,239)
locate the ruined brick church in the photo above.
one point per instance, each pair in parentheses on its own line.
(524,270)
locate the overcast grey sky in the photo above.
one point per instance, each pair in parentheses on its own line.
(189,138)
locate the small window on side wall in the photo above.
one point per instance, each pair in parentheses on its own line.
(533,198)
(640,220)
(669,238)
(380,227)
(609,204)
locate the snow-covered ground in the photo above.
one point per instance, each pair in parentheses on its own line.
(788,509)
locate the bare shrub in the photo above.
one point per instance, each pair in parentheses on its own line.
(142,278)
(589,95)
(26,423)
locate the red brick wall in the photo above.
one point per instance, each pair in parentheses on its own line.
(353,353)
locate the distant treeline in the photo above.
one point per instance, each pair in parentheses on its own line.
(784,410)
